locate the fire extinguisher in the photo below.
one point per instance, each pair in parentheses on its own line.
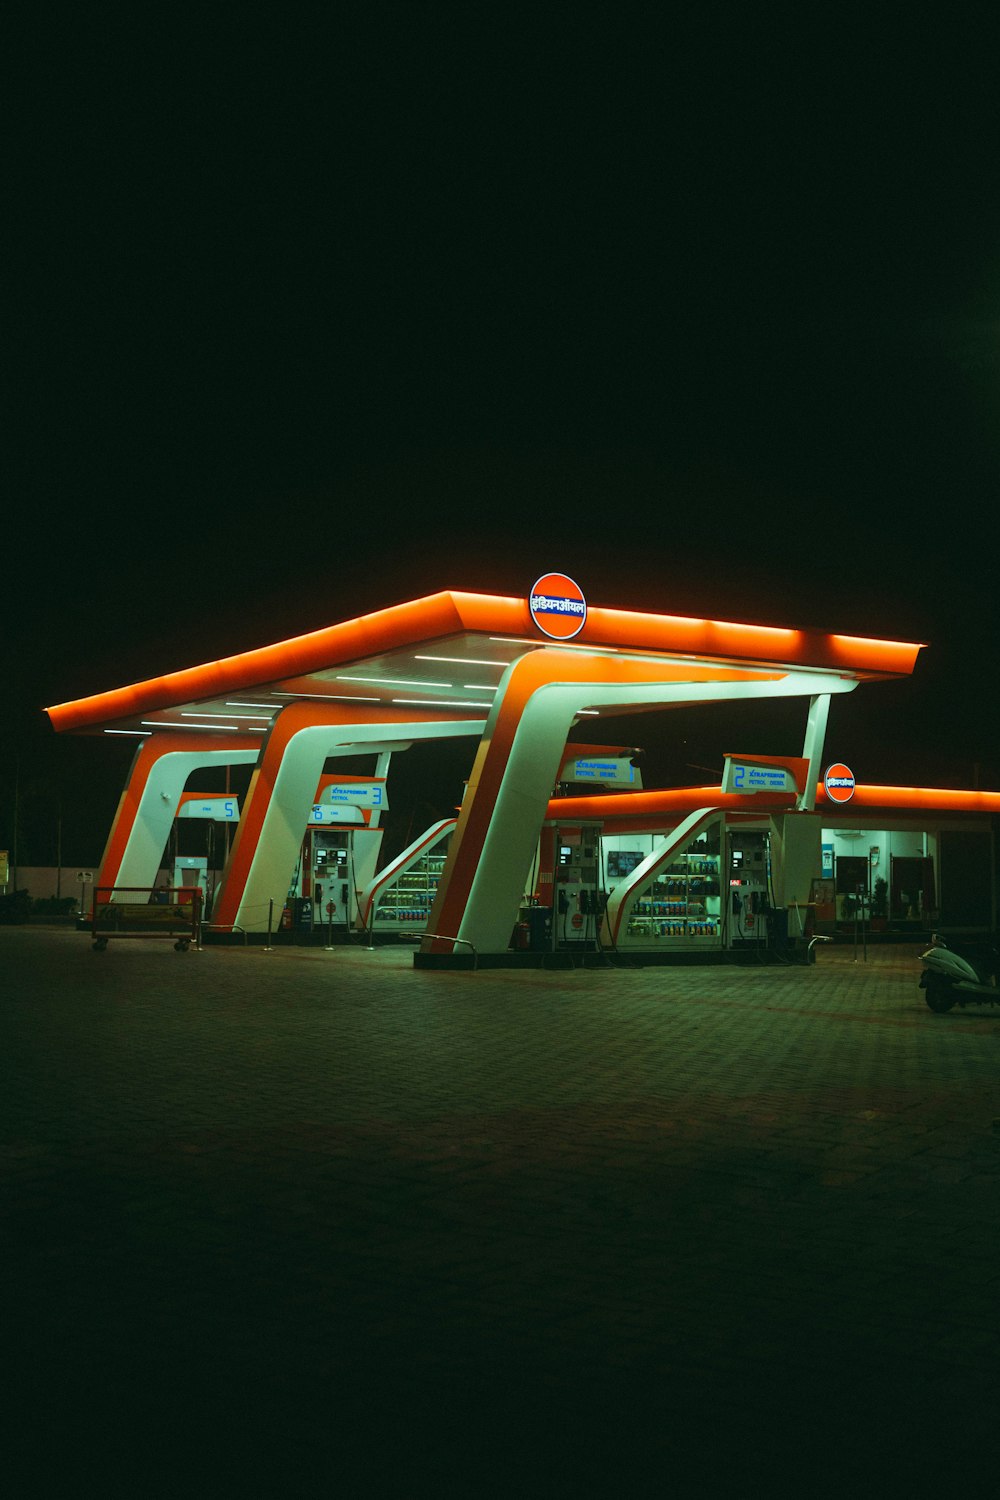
(286,918)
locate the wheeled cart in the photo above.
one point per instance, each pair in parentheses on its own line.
(137,912)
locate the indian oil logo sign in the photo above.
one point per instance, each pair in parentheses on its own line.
(557,606)
(838,783)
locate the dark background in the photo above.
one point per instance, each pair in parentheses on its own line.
(309,318)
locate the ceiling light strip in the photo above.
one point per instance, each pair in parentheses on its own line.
(443,702)
(392,681)
(207,714)
(552,645)
(214,728)
(464,661)
(326,697)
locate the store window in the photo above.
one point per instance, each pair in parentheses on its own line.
(404,901)
(682,902)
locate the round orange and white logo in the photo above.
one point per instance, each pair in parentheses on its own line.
(838,783)
(557,606)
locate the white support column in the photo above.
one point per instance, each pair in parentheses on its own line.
(158,806)
(287,813)
(795,856)
(526,785)
(381,774)
(812,748)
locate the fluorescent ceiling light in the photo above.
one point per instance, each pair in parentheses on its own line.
(271,707)
(593,711)
(442,703)
(479,687)
(186,714)
(324,697)
(143,733)
(553,645)
(393,681)
(464,661)
(215,728)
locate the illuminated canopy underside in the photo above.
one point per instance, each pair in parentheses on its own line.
(446,651)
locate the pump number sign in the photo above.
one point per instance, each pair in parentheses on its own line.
(557,606)
(838,783)
(748,777)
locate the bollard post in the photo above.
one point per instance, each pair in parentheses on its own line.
(270,920)
(855,931)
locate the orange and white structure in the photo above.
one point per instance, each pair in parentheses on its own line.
(514,676)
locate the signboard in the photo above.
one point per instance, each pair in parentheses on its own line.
(320,815)
(747,776)
(557,606)
(609,770)
(838,782)
(4,867)
(220,809)
(355,794)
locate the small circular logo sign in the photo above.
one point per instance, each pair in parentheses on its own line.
(558,607)
(839,783)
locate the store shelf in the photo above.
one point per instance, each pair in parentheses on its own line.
(404,902)
(682,904)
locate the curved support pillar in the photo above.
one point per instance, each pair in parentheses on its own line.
(283,788)
(148,805)
(812,749)
(518,762)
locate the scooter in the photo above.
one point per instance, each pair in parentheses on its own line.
(951,979)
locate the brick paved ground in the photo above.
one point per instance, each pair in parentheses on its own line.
(315,1223)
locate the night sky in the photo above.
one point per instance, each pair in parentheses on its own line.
(306,320)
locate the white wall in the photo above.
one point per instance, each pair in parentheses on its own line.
(40,880)
(902,842)
(910,844)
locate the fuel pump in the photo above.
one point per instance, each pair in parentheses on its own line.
(749,901)
(579,901)
(331,876)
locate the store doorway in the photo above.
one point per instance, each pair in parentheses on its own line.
(853,894)
(911,888)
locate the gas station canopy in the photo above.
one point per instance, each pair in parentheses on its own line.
(447,652)
(516,674)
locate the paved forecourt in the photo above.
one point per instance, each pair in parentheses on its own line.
(305,1217)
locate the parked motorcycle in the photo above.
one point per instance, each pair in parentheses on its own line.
(951,978)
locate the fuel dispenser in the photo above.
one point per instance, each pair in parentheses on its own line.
(190,874)
(749,886)
(340,848)
(332,862)
(579,900)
